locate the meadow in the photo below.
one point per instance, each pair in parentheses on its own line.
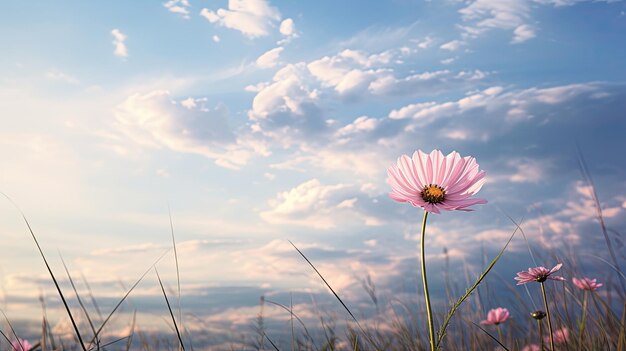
(555,308)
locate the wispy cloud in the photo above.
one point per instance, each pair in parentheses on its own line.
(61,77)
(353,73)
(482,16)
(453,45)
(180,7)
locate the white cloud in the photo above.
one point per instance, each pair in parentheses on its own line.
(515,106)
(287,109)
(353,73)
(287,27)
(558,3)
(180,7)
(155,120)
(319,206)
(255,88)
(288,30)
(189,103)
(362,123)
(425,43)
(514,15)
(330,68)
(453,45)
(310,203)
(528,170)
(429,83)
(503,14)
(285,93)
(523,33)
(216,38)
(270,58)
(448,60)
(379,38)
(337,158)
(118,42)
(344,71)
(253,18)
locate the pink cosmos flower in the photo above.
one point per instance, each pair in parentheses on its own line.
(496,316)
(532,347)
(436,182)
(21,345)
(586,284)
(538,274)
(560,336)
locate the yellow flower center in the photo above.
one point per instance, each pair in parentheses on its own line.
(433,194)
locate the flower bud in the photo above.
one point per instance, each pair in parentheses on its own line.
(538,315)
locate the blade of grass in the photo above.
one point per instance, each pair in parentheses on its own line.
(80,301)
(594,196)
(6,338)
(491,336)
(12,329)
(169,307)
(306,331)
(180,313)
(115,341)
(106,320)
(56,283)
(91,296)
(132,331)
(621,339)
(43,334)
(334,293)
(271,342)
(442,331)
(293,335)
(46,325)
(616,269)
(530,251)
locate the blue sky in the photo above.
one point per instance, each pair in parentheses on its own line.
(260,121)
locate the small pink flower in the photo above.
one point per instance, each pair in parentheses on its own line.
(21,345)
(538,274)
(560,336)
(496,316)
(586,284)
(532,347)
(436,182)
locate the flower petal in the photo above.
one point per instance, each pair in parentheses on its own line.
(406,166)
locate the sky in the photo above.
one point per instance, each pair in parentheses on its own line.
(250,123)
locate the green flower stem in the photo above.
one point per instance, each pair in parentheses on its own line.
(584,319)
(540,334)
(545,302)
(429,312)
(500,333)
